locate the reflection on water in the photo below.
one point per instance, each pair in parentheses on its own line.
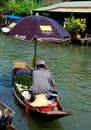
(71,67)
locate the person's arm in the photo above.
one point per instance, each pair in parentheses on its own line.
(54,86)
(52,81)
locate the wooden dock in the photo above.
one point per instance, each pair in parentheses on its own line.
(86,40)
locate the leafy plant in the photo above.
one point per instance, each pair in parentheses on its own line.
(23,9)
(10,8)
(80,25)
(69,24)
(20,8)
(73,25)
(23,80)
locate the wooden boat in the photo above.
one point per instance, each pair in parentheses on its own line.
(55,112)
(6,116)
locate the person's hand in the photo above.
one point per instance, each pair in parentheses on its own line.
(48,70)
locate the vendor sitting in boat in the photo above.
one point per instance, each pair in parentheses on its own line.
(42,80)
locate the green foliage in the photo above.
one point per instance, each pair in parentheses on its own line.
(20,8)
(69,24)
(2,2)
(80,25)
(34,59)
(23,9)
(10,8)
(37,5)
(73,25)
(23,80)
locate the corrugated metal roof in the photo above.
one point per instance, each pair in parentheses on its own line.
(76,6)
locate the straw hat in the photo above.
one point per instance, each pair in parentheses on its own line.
(41,100)
(19,64)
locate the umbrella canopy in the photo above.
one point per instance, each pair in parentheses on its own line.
(43,28)
(39,28)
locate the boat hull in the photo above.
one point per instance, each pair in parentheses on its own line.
(7,116)
(58,112)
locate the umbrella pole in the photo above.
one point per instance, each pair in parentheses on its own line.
(35,53)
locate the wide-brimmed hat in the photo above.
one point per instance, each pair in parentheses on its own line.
(41,62)
(19,64)
(41,100)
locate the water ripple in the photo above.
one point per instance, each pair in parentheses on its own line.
(71,67)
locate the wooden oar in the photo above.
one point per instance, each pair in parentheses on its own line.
(59,104)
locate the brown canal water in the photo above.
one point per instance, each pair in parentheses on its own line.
(71,67)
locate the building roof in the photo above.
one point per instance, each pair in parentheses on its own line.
(76,6)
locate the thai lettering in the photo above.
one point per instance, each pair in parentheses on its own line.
(20,37)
